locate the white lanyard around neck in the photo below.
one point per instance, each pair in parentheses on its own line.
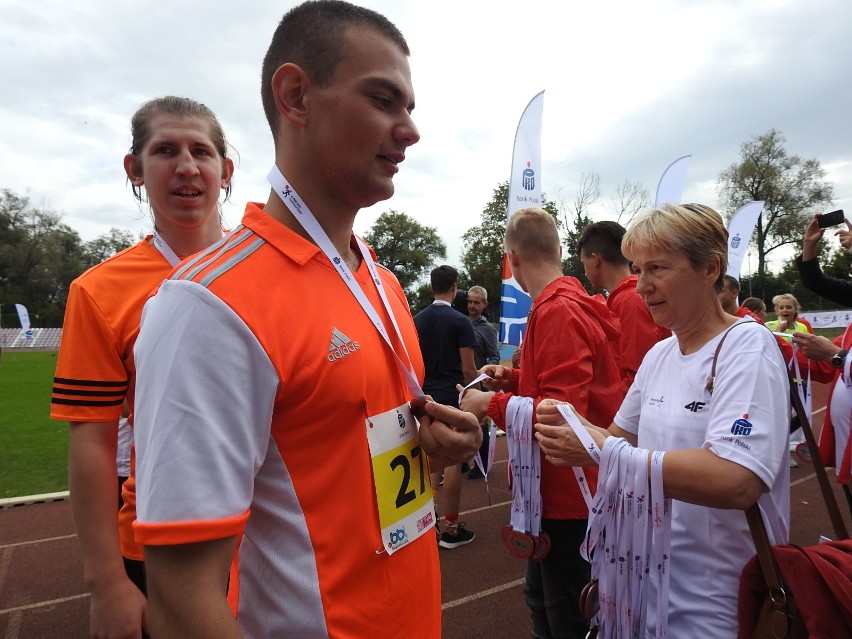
(306,218)
(165,250)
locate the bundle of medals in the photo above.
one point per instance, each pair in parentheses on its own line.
(523,536)
(628,537)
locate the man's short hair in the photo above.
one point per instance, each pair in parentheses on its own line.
(531,232)
(603,239)
(312,35)
(479,290)
(733,283)
(443,278)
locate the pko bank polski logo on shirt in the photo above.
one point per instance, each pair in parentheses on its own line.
(742,427)
(528,178)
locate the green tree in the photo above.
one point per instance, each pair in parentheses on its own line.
(405,246)
(39,257)
(482,255)
(420,298)
(791,188)
(106,245)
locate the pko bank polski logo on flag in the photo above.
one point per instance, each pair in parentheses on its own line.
(528,178)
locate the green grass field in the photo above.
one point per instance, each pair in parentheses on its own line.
(33,447)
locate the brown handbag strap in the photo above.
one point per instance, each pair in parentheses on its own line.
(837,522)
(711,383)
(782,607)
(768,564)
(840,531)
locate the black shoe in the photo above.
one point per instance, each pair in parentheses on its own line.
(465,467)
(475,473)
(463,536)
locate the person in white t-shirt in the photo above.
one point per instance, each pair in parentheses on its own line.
(725,449)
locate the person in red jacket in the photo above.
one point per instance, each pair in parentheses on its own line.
(570,353)
(729,298)
(607,268)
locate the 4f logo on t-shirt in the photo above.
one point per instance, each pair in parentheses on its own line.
(695,406)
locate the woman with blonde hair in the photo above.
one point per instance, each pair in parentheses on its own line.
(717,448)
(787,308)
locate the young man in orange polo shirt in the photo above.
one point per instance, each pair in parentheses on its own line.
(275,372)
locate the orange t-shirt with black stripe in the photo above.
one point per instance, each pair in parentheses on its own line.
(94,369)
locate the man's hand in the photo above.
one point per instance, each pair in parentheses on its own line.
(475,401)
(449,435)
(815,347)
(516,358)
(846,236)
(811,238)
(501,376)
(117,611)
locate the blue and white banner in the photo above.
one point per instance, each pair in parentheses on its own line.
(524,191)
(828,319)
(24,317)
(740,229)
(672,182)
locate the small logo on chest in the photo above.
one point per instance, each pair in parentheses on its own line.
(340,346)
(695,406)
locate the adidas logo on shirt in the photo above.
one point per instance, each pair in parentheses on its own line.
(340,346)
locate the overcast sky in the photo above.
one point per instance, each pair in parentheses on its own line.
(629,86)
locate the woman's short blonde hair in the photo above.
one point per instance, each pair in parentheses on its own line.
(695,229)
(789,297)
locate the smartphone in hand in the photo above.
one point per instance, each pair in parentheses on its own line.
(831,219)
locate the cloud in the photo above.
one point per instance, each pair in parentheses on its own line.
(629,86)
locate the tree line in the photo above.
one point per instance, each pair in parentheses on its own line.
(40,255)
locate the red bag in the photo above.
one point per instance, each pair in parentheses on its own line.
(820,578)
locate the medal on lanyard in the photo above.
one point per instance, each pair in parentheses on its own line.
(523,537)
(400,473)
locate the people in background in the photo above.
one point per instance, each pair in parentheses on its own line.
(607,268)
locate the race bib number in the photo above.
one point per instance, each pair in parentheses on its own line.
(401,474)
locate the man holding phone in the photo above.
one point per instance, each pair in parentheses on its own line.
(813,279)
(834,218)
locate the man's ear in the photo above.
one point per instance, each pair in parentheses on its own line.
(131,168)
(513,258)
(290,84)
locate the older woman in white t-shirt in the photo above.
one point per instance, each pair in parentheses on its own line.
(725,450)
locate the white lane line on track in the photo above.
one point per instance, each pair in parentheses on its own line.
(52,602)
(481,594)
(36,541)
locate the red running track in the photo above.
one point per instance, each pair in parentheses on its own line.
(42,595)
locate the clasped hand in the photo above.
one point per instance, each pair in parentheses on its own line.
(557,440)
(448,435)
